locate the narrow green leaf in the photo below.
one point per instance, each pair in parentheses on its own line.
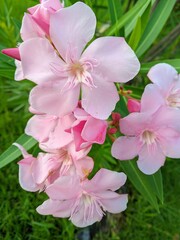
(155,25)
(12,153)
(158,185)
(173,62)
(145,17)
(132,22)
(142,182)
(126,18)
(115,10)
(136,35)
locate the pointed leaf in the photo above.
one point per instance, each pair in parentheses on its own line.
(155,25)
(142,182)
(136,35)
(12,153)
(126,17)
(146,66)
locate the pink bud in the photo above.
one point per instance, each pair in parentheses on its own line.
(12,52)
(112,130)
(133,105)
(116,117)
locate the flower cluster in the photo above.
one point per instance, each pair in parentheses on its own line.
(74,96)
(153,127)
(71,102)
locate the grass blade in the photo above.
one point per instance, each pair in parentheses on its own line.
(126,18)
(155,25)
(174,62)
(12,153)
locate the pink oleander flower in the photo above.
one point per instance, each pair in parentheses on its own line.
(165,90)
(85,201)
(50,131)
(61,67)
(37,173)
(133,105)
(87,129)
(151,136)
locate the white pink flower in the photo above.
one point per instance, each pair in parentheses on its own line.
(151,136)
(60,65)
(85,201)
(37,173)
(165,90)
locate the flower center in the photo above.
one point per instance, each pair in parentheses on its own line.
(173,99)
(148,137)
(76,69)
(76,72)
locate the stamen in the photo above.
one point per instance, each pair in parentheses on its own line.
(148,137)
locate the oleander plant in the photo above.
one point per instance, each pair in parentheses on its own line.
(90,95)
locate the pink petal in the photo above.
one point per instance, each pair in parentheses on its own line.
(151,158)
(64,188)
(116,60)
(84,166)
(77,154)
(19,75)
(170,142)
(44,165)
(56,208)
(94,131)
(37,55)
(72,28)
(152,98)
(113,202)
(133,105)
(86,213)
(52,5)
(134,123)
(105,180)
(30,29)
(39,126)
(52,100)
(12,52)
(101,100)
(26,179)
(80,114)
(163,75)
(58,137)
(78,140)
(43,25)
(166,117)
(125,148)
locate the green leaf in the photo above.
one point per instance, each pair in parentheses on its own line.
(155,25)
(115,10)
(157,183)
(142,182)
(136,35)
(126,18)
(173,62)
(121,107)
(12,153)
(132,22)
